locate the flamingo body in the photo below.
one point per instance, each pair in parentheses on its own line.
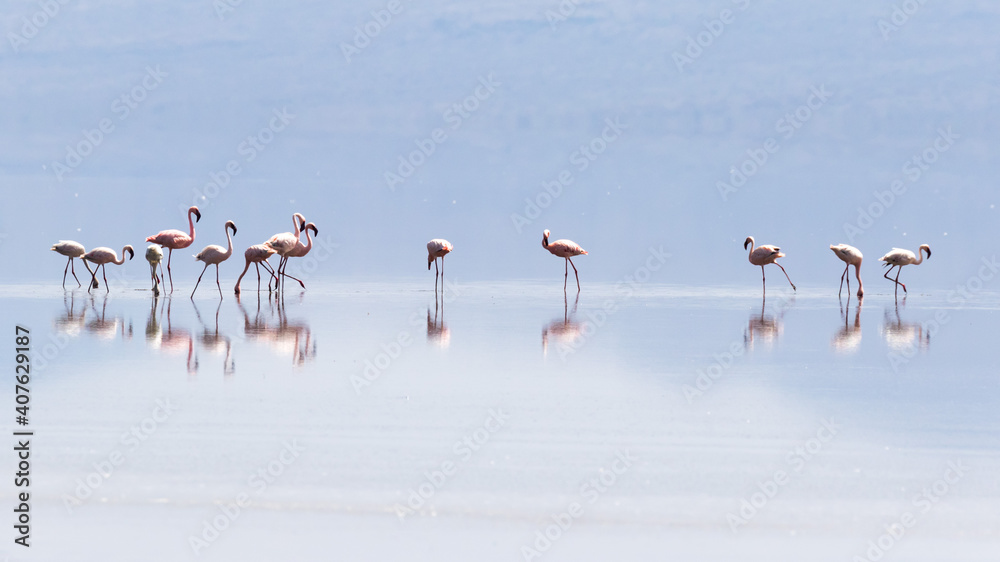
(102,256)
(214,255)
(176,239)
(285,242)
(257,255)
(438,248)
(71,250)
(154,255)
(763,255)
(564,249)
(850,256)
(898,257)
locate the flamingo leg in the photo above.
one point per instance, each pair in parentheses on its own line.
(69,261)
(170,254)
(842,277)
(763,279)
(575,272)
(273,277)
(786,276)
(72,269)
(93,278)
(104,273)
(199,278)
(896,280)
(566,275)
(898,271)
(303,285)
(217,282)
(861,288)
(435,273)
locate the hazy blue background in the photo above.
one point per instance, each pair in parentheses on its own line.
(558,80)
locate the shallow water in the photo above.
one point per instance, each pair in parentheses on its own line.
(377,421)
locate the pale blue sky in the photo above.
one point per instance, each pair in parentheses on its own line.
(197,85)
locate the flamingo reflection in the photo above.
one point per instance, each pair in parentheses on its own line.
(285,337)
(104,328)
(563,330)
(215,342)
(900,335)
(71,323)
(766,328)
(174,341)
(848,337)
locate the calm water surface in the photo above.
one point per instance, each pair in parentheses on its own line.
(382,420)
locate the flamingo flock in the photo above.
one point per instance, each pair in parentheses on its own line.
(289,245)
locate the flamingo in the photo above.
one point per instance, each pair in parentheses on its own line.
(438,248)
(563,249)
(257,255)
(101,257)
(176,240)
(851,256)
(154,255)
(300,250)
(214,255)
(71,250)
(763,255)
(899,257)
(286,241)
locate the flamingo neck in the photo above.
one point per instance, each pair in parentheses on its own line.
(545,241)
(191,223)
(309,240)
(229,244)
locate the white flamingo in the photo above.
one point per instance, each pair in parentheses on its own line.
(102,256)
(899,257)
(851,256)
(301,250)
(214,255)
(71,250)
(564,249)
(154,255)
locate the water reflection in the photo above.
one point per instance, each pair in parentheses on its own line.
(71,323)
(104,328)
(174,341)
(215,342)
(437,331)
(848,338)
(900,335)
(764,328)
(284,336)
(563,330)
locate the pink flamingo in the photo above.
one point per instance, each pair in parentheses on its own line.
(438,248)
(214,255)
(102,256)
(300,250)
(257,255)
(899,257)
(176,240)
(154,255)
(564,249)
(71,250)
(763,255)
(851,256)
(286,242)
